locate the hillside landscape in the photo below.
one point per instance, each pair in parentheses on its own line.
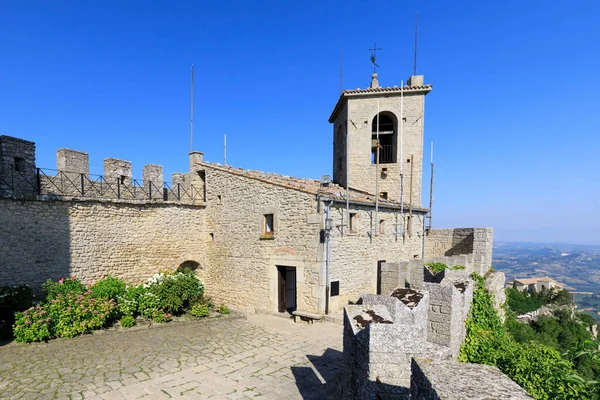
(577,266)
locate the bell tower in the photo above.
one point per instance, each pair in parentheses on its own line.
(378,139)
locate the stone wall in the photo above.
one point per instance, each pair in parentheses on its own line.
(451,380)
(450,242)
(242,264)
(17,167)
(91,239)
(354,255)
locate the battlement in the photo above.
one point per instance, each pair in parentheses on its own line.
(20,177)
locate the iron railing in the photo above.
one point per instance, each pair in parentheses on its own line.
(387,154)
(43,181)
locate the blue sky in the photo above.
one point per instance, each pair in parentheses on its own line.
(513,114)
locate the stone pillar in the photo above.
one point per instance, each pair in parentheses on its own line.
(152,175)
(449,305)
(17,167)
(117,174)
(195,158)
(71,164)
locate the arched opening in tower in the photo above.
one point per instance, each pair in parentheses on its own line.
(387,133)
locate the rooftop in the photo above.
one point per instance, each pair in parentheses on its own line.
(311,186)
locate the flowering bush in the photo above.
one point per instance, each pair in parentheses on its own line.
(161,316)
(63,287)
(127,321)
(148,304)
(175,291)
(128,302)
(32,325)
(76,314)
(108,288)
(200,310)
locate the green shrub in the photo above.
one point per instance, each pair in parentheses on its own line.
(108,288)
(539,369)
(223,309)
(33,325)
(63,287)
(128,302)
(436,267)
(175,292)
(148,304)
(127,321)
(458,268)
(76,314)
(161,316)
(200,311)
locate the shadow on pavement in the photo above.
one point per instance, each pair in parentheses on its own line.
(321,381)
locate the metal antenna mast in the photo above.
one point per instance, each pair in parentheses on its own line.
(192,113)
(416,37)
(341,62)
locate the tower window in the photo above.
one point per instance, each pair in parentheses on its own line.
(384,138)
(19,164)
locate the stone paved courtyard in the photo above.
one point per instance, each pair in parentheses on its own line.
(264,357)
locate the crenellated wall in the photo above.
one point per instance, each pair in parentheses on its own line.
(459,241)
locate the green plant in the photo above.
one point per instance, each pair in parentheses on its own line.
(538,368)
(63,287)
(127,321)
(458,268)
(148,304)
(76,314)
(128,302)
(175,292)
(32,325)
(436,267)
(108,288)
(223,309)
(160,316)
(200,311)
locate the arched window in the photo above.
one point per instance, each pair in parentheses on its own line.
(387,132)
(188,265)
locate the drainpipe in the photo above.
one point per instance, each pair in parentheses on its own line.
(328,226)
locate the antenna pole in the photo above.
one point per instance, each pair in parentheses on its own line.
(341,63)
(402,156)
(192,113)
(225,149)
(416,37)
(376,224)
(431,190)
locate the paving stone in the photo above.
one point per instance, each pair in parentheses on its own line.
(225,358)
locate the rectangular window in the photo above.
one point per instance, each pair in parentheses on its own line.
(409,225)
(383,195)
(353,222)
(19,164)
(381,227)
(335,288)
(269,227)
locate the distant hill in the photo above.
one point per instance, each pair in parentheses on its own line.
(577,266)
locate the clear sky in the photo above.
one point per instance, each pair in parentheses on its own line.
(514,113)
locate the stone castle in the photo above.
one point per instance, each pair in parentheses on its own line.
(261,242)
(273,244)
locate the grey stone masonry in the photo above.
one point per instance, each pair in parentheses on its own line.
(449,305)
(451,380)
(152,175)
(452,242)
(117,169)
(72,161)
(18,175)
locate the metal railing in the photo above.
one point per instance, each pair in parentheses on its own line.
(43,181)
(386,154)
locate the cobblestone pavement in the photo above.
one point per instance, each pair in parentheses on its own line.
(264,357)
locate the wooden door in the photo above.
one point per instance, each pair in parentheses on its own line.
(290,288)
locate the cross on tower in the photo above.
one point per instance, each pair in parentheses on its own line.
(374,57)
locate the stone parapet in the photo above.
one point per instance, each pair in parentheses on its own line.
(451,380)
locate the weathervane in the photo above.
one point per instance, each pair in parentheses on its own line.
(374,57)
